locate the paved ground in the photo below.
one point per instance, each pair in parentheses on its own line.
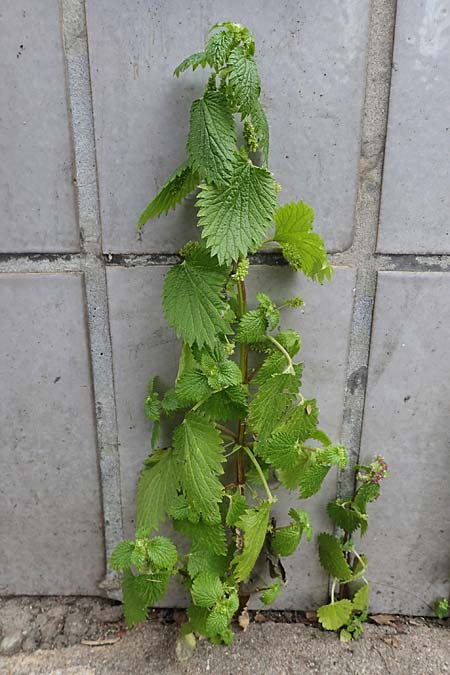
(265,649)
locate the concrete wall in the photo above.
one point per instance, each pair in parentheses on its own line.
(91,123)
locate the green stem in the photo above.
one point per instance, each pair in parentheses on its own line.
(284,352)
(270,496)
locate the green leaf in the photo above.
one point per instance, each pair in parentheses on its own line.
(253,523)
(162,553)
(157,488)
(217,621)
(302,421)
(244,79)
(286,539)
(225,405)
(271,402)
(192,387)
(170,403)
(311,478)
(235,216)
(332,558)
(261,127)
(220,371)
(238,506)
(193,61)
(211,142)
(197,619)
(252,327)
(301,517)
(152,587)
(441,608)
(210,536)
(180,510)
(192,299)
(361,599)
(274,363)
(198,448)
(336,615)
(332,454)
(301,246)
(281,450)
(206,590)
(344,517)
(121,556)
(218,48)
(271,594)
(134,605)
(178,186)
(366,493)
(202,560)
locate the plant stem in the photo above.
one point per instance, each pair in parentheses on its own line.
(284,352)
(270,496)
(243,364)
(226,432)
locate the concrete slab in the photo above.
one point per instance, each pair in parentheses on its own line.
(313,92)
(416,199)
(406,421)
(37,201)
(51,526)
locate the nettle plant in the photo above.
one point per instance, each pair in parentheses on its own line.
(243,429)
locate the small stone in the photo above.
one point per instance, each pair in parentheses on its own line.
(11,643)
(311,616)
(107,614)
(260,618)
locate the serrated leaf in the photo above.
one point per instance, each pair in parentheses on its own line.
(302,420)
(345,518)
(192,387)
(192,299)
(211,142)
(238,506)
(178,186)
(261,126)
(252,327)
(218,48)
(152,587)
(281,451)
(253,523)
(271,594)
(206,589)
(198,448)
(170,403)
(274,363)
(366,493)
(332,455)
(271,402)
(244,80)
(202,560)
(220,372)
(301,246)
(162,553)
(209,536)
(157,488)
(311,478)
(217,621)
(193,61)
(121,556)
(285,540)
(197,619)
(235,216)
(134,605)
(336,615)
(332,558)
(361,599)
(225,405)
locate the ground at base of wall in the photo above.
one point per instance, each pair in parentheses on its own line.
(87,636)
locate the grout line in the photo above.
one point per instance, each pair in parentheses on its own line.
(93,266)
(373,139)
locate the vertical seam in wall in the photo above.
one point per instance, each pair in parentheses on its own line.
(93,266)
(367,210)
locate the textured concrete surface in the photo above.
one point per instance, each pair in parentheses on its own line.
(416,200)
(278,649)
(313,91)
(407,422)
(51,526)
(36,192)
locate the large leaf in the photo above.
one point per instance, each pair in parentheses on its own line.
(193,61)
(253,523)
(180,184)
(271,402)
(157,488)
(198,448)
(236,215)
(218,48)
(335,615)
(225,405)
(301,246)
(212,137)
(244,80)
(206,590)
(332,558)
(192,299)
